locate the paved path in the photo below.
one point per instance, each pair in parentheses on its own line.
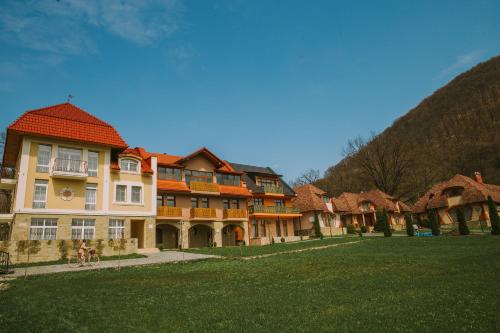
(153,258)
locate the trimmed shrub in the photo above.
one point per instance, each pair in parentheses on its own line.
(494,218)
(463,229)
(364,229)
(317,228)
(387,227)
(379,223)
(435,227)
(410,232)
(351,229)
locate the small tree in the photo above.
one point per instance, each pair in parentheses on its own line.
(435,227)
(494,218)
(410,231)
(379,223)
(463,229)
(386,224)
(317,229)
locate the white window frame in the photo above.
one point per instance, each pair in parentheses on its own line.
(45,227)
(87,224)
(132,194)
(88,205)
(116,229)
(127,170)
(43,168)
(93,172)
(42,183)
(128,193)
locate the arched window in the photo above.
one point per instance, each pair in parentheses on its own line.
(129,165)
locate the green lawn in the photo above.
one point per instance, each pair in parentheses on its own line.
(441,284)
(247,251)
(65,261)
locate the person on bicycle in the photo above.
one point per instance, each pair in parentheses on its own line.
(81,251)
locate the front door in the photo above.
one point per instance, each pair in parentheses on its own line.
(137,231)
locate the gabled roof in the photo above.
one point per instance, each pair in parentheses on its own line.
(350,202)
(203,151)
(473,192)
(67,121)
(309,198)
(139,153)
(251,171)
(62,121)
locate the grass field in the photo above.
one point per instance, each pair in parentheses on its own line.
(65,261)
(445,284)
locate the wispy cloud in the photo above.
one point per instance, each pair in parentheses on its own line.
(462,62)
(64,26)
(181,56)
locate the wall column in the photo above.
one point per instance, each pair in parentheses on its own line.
(184,234)
(246,230)
(217,232)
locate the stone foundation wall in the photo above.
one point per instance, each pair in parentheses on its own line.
(48,250)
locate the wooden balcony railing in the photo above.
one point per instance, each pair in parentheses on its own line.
(7,173)
(235,213)
(165,211)
(204,187)
(273,210)
(272,189)
(203,213)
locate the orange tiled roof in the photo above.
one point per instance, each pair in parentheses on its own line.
(473,192)
(349,202)
(140,153)
(66,121)
(309,198)
(172,185)
(234,190)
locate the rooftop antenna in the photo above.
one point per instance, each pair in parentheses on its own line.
(70,97)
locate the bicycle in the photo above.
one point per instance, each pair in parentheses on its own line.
(90,258)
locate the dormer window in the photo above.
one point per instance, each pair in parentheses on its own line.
(453,191)
(129,165)
(365,206)
(326,199)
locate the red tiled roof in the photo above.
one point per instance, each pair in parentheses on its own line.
(139,153)
(234,190)
(309,198)
(473,192)
(169,160)
(66,121)
(350,202)
(172,185)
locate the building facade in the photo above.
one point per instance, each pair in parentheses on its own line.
(460,192)
(314,203)
(272,216)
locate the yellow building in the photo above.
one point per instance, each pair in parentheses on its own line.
(67,175)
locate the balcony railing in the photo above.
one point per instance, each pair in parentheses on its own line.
(235,213)
(273,210)
(166,211)
(7,173)
(272,189)
(204,187)
(5,202)
(63,166)
(203,213)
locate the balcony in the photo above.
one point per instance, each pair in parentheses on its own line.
(273,210)
(165,211)
(203,187)
(8,177)
(203,213)
(231,214)
(6,206)
(69,169)
(272,189)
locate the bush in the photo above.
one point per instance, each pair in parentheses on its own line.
(463,229)
(435,227)
(317,228)
(364,229)
(409,225)
(351,229)
(379,223)
(385,223)
(494,218)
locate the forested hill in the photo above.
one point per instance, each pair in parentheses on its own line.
(455,130)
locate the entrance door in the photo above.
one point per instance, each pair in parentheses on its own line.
(137,231)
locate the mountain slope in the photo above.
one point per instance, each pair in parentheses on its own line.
(455,130)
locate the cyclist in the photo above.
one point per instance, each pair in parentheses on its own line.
(81,252)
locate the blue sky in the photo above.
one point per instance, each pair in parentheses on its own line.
(277,83)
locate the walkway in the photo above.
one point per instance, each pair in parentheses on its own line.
(153,258)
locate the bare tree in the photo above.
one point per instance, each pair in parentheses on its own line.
(309,176)
(384,162)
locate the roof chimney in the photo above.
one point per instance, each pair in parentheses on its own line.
(478,176)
